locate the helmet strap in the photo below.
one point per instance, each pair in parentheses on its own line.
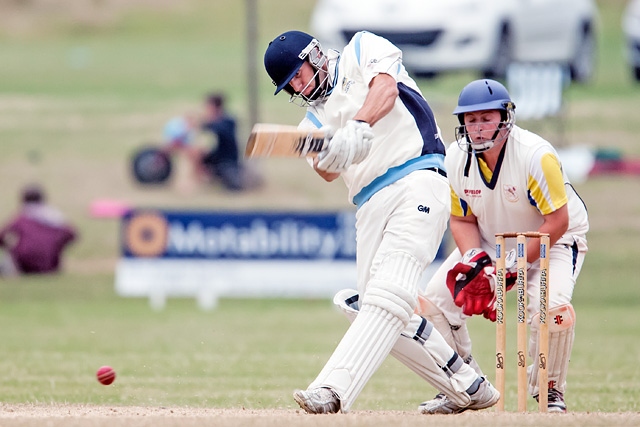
(497,132)
(319,93)
(315,57)
(468,145)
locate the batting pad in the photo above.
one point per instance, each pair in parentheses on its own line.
(360,353)
(450,375)
(457,337)
(433,314)
(385,309)
(562,321)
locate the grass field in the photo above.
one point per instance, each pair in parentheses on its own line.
(81,86)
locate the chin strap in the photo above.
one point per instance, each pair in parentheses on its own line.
(467,165)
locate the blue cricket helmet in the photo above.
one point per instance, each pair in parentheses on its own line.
(285,55)
(484,94)
(481,95)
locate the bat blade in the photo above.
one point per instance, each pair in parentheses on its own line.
(273,140)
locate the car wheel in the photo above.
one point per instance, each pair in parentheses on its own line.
(150,165)
(497,68)
(582,65)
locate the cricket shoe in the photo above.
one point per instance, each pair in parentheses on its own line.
(485,397)
(317,401)
(555,401)
(432,406)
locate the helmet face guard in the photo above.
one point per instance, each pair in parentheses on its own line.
(483,95)
(321,79)
(284,57)
(464,133)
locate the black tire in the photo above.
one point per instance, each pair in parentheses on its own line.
(150,165)
(503,56)
(582,64)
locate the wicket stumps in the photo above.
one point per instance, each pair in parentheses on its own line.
(521,327)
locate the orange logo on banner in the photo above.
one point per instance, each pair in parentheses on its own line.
(146,234)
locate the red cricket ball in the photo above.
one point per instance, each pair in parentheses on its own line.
(106,375)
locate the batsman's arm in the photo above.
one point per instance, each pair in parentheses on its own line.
(383,91)
(327,176)
(352,143)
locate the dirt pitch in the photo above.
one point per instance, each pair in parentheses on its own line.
(54,415)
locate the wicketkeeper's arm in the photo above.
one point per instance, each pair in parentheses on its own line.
(465,232)
(555,224)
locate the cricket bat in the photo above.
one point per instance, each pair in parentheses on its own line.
(272,140)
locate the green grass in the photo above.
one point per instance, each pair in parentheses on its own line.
(251,353)
(76,97)
(246,353)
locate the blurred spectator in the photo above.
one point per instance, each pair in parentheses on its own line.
(178,137)
(35,239)
(178,132)
(223,161)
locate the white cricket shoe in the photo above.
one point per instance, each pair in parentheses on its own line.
(317,401)
(485,397)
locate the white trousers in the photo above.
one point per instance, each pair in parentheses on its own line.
(398,232)
(409,216)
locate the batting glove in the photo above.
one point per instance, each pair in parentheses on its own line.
(350,145)
(306,148)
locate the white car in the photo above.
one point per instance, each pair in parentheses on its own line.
(485,35)
(631,27)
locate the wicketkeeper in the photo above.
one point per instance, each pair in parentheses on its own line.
(506,179)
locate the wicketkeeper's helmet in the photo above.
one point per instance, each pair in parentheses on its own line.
(481,95)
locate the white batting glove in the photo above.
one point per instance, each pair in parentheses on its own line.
(362,133)
(350,145)
(305,148)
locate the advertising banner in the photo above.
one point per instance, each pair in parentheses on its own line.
(207,255)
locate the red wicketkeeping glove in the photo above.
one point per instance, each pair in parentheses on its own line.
(490,314)
(469,285)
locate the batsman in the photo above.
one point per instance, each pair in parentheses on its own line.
(386,146)
(506,179)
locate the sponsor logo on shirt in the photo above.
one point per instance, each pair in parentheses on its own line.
(472,192)
(510,193)
(346,84)
(423,208)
